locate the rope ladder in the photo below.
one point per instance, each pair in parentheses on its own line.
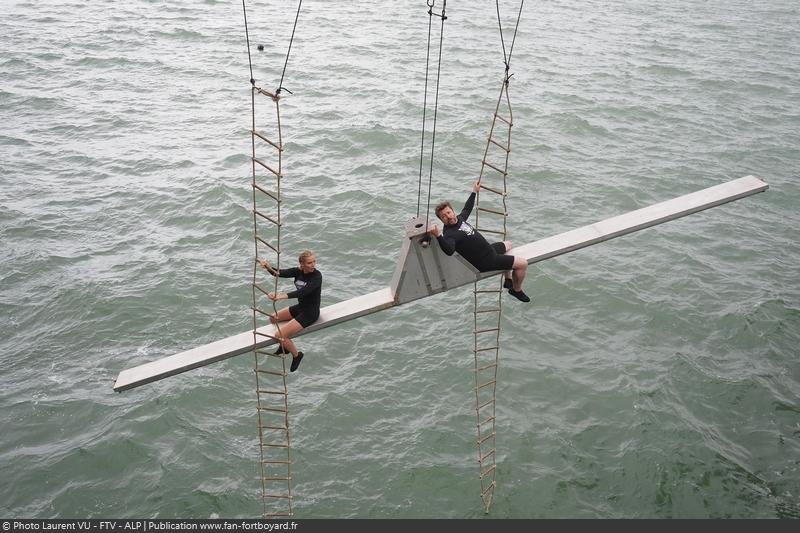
(270,370)
(490,218)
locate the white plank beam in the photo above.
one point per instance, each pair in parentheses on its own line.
(424,270)
(641,219)
(243,342)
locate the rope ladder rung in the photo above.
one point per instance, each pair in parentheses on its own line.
(274,445)
(277,147)
(481,406)
(504,119)
(272,409)
(267,217)
(276,428)
(488,471)
(487,437)
(266,243)
(484,457)
(490,419)
(490,189)
(265,191)
(490,487)
(493,211)
(496,232)
(268,336)
(269,354)
(500,145)
(261,311)
(503,172)
(275,392)
(260,162)
(270,372)
(479,387)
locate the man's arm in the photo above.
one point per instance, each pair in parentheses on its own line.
(470,203)
(447,244)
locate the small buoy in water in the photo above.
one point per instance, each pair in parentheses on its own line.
(260,47)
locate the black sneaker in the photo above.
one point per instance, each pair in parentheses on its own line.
(519,295)
(281,350)
(508,284)
(296,361)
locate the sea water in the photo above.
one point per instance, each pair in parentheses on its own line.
(652,376)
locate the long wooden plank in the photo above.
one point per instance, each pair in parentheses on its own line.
(451,268)
(640,219)
(243,342)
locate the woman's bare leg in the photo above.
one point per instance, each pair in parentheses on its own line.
(286,332)
(281,316)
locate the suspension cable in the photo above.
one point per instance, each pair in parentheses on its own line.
(435,110)
(247,34)
(507,57)
(289,51)
(430,4)
(516,27)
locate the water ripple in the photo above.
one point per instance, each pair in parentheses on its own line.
(652,376)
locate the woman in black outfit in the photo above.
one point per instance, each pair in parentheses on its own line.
(308,291)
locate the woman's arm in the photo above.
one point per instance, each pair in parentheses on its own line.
(311,286)
(269,268)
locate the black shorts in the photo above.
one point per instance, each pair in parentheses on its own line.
(304,315)
(496,261)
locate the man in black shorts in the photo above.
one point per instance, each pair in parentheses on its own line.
(459,236)
(308,285)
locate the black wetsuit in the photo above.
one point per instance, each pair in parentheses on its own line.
(461,237)
(308,293)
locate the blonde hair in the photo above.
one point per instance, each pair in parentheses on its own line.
(305,255)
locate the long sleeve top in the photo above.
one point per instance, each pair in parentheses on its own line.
(461,237)
(308,287)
